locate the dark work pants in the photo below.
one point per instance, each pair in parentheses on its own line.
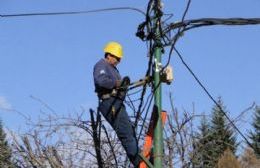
(114,111)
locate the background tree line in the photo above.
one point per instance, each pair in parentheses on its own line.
(72,141)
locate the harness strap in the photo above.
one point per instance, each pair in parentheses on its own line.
(108,95)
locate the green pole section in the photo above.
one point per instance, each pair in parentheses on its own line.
(158,131)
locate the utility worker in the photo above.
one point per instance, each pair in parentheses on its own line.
(111,90)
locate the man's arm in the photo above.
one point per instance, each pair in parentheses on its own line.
(103,78)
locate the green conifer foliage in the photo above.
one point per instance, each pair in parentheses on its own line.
(255,134)
(5,151)
(202,156)
(214,137)
(222,134)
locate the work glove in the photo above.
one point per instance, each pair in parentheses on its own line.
(123,87)
(125,82)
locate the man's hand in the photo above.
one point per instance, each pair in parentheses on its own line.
(122,89)
(125,82)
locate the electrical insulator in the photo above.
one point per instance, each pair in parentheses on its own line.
(167,75)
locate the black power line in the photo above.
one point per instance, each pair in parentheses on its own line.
(211,97)
(178,34)
(72,12)
(195,23)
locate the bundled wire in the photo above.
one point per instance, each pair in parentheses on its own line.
(196,23)
(140,33)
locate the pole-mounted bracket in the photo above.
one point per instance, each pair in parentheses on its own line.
(167,75)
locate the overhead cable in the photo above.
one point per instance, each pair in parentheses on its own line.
(72,12)
(211,97)
(178,34)
(195,23)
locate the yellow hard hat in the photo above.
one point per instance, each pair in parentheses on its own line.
(114,48)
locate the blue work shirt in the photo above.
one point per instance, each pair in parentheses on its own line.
(105,77)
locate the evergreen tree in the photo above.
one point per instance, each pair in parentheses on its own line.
(201,152)
(223,136)
(255,134)
(213,139)
(5,151)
